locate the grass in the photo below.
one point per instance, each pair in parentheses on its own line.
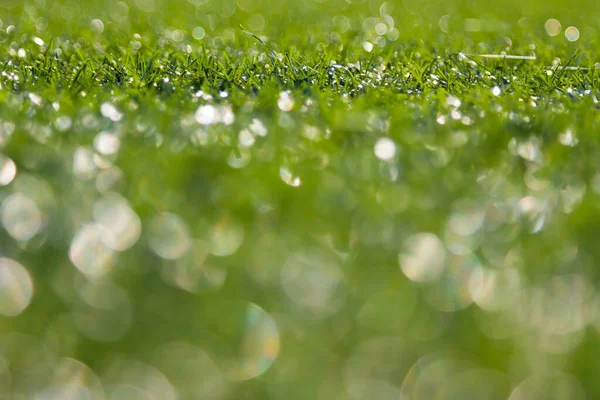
(299,200)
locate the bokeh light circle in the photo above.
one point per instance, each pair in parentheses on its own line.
(553,27)
(257,345)
(572,34)
(16,288)
(169,236)
(21,217)
(423,258)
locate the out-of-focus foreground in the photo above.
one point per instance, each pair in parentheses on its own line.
(299,200)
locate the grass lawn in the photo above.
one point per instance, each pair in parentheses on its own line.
(316,199)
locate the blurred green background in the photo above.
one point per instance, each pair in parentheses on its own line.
(431,24)
(197,239)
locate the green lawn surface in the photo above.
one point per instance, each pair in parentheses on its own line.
(330,199)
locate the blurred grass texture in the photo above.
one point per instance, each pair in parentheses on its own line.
(299,200)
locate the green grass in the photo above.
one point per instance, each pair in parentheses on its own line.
(299,200)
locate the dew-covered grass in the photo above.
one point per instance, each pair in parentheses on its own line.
(299,200)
